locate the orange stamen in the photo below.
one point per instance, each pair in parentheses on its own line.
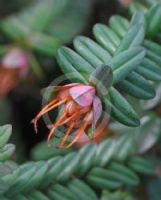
(78,135)
(69,118)
(55,126)
(66,135)
(51,103)
(47,106)
(45,110)
(54,106)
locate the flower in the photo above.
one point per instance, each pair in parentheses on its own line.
(82,109)
(13,67)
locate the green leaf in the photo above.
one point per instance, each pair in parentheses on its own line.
(6,152)
(119,25)
(137,86)
(44,43)
(121,109)
(106,37)
(149,70)
(42,152)
(142,72)
(38,176)
(102,79)
(153,20)
(125,62)
(15,29)
(124,174)
(116,195)
(135,7)
(34,195)
(55,166)
(104,152)
(141,165)
(5,133)
(76,185)
(75,10)
(38,15)
(86,154)
(56,192)
(71,162)
(154,57)
(25,171)
(138,18)
(134,37)
(74,66)
(38,26)
(115,175)
(101,178)
(152,46)
(124,147)
(91,51)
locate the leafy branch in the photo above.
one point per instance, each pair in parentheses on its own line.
(77,173)
(117,46)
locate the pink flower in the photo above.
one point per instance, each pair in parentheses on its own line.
(13,67)
(16,59)
(82,109)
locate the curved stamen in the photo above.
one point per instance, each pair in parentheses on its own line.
(66,135)
(54,106)
(45,110)
(50,103)
(69,118)
(47,106)
(55,126)
(78,135)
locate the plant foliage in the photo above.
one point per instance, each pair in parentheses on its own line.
(94,167)
(131,48)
